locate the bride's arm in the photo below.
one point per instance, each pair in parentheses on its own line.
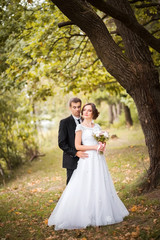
(78,144)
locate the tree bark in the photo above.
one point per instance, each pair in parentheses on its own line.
(149,117)
(134,71)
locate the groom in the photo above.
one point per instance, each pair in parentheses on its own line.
(66,138)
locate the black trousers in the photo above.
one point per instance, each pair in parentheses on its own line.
(69,174)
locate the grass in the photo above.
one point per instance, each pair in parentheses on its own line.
(33,191)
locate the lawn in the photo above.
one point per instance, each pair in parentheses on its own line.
(29,197)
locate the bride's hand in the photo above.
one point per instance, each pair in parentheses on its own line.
(101,147)
(96,147)
(104,146)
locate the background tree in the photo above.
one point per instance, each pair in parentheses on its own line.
(17,142)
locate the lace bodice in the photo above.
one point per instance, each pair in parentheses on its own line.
(87,134)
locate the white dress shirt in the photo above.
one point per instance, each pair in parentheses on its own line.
(76,120)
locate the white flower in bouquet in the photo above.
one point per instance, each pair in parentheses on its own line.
(101,136)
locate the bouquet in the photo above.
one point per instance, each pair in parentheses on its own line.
(101,136)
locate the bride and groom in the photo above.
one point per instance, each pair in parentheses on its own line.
(89,198)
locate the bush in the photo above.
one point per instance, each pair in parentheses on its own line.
(17,131)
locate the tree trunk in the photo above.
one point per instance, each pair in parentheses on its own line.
(119,108)
(145,92)
(110,111)
(115,118)
(150,121)
(128,117)
(34,114)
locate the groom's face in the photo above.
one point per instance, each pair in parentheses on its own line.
(75,109)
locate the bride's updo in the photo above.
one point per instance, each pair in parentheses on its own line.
(94,110)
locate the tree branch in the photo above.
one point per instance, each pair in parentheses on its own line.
(62,24)
(95,87)
(151,20)
(65,37)
(115,32)
(91,63)
(134,1)
(105,16)
(146,5)
(79,58)
(154,32)
(128,22)
(75,53)
(110,54)
(36,156)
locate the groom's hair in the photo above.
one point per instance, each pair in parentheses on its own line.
(74,100)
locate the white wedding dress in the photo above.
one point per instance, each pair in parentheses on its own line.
(90,198)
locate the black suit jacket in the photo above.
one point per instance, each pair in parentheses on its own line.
(66,141)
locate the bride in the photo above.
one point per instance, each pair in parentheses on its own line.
(90,198)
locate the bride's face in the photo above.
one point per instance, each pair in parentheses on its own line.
(87,112)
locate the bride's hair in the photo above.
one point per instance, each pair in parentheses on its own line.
(94,110)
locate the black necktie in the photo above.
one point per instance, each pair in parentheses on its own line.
(79,121)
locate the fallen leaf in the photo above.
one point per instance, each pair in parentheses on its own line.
(17,213)
(7,236)
(11,210)
(49,238)
(136,234)
(127,234)
(46,221)
(134,208)
(155,220)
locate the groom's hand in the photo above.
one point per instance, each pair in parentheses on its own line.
(81,154)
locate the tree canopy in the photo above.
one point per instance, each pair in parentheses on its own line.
(36,48)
